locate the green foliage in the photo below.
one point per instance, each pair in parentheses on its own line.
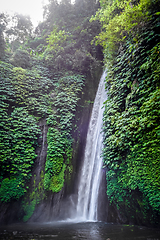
(27,88)
(56,38)
(56,182)
(59,153)
(70,40)
(42,78)
(131,126)
(17,146)
(13,188)
(21,58)
(121,19)
(33,196)
(29,209)
(23,92)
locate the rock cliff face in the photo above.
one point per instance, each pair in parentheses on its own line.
(45,107)
(56,206)
(39,204)
(47,86)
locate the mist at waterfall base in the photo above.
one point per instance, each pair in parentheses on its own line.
(84,218)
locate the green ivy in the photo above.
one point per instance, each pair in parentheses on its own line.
(131,126)
(42,80)
(121,19)
(59,138)
(12,188)
(18,141)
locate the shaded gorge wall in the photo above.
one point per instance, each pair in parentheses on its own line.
(42,200)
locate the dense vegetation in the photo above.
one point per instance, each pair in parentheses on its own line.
(48,73)
(43,76)
(131,42)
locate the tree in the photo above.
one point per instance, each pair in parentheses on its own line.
(3,23)
(20,30)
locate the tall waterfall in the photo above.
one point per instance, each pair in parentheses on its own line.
(91,171)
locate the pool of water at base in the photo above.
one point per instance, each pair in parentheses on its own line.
(76,231)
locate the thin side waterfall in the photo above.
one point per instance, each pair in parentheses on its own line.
(92,164)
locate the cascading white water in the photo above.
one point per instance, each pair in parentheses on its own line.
(92,165)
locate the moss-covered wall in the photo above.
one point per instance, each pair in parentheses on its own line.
(132,113)
(47,84)
(43,129)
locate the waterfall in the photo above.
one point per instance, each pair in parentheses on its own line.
(91,171)
(85,208)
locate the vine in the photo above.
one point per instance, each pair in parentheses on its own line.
(59,138)
(131,127)
(18,141)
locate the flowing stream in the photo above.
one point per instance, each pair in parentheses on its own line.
(91,171)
